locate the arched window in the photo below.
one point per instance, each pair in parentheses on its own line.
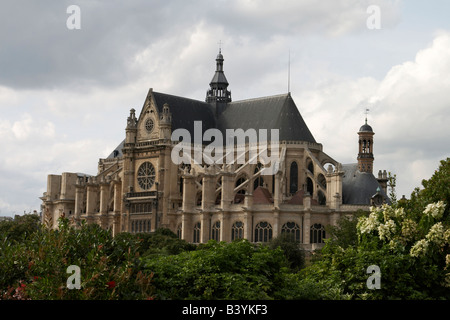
(293,178)
(240,194)
(263,232)
(322,180)
(179,232)
(237,230)
(309,186)
(215,231)
(317,233)
(259,181)
(197,228)
(292,229)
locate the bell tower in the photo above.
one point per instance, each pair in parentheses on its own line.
(365,154)
(218,94)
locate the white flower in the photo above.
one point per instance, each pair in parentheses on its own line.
(447,236)
(409,229)
(368,224)
(399,213)
(436,210)
(386,230)
(436,234)
(419,248)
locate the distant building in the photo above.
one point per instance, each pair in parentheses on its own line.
(138,188)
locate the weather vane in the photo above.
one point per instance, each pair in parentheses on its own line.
(366,112)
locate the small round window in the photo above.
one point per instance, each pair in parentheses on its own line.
(149,125)
(146,175)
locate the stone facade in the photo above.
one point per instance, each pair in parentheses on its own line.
(139,188)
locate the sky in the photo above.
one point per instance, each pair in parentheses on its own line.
(65,93)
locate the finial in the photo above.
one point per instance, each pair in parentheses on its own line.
(220,46)
(366,112)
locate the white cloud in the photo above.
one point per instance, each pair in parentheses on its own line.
(409,114)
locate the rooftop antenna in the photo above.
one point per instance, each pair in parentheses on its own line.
(289,72)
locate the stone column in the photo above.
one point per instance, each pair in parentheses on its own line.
(104,190)
(276,223)
(227,190)
(186,227)
(248,225)
(306,226)
(79,195)
(208,190)
(225,228)
(206,227)
(91,200)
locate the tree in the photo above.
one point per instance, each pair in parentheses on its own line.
(409,241)
(19,228)
(291,249)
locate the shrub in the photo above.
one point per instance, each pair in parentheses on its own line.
(36,267)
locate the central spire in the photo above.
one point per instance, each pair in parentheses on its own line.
(218,86)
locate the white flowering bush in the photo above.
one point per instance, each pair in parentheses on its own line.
(435,210)
(394,227)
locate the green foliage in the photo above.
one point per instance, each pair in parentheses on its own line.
(409,241)
(291,249)
(237,270)
(19,228)
(162,242)
(437,188)
(344,234)
(36,268)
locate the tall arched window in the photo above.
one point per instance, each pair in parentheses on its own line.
(309,186)
(263,232)
(215,231)
(240,194)
(197,228)
(259,181)
(317,233)
(293,178)
(237,230)
(179,232)
(292,229)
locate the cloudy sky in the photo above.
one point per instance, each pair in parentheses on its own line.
(65,93)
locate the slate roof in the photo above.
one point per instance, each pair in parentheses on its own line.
(273,112)
(359,187)
(185,111)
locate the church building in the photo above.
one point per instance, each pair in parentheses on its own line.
(139,188)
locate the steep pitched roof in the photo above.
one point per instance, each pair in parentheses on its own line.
(359,187)
(274,112)
(185,111)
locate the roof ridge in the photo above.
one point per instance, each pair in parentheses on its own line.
(185,98)
(262,98)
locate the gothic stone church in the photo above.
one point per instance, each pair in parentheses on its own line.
(138,188)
